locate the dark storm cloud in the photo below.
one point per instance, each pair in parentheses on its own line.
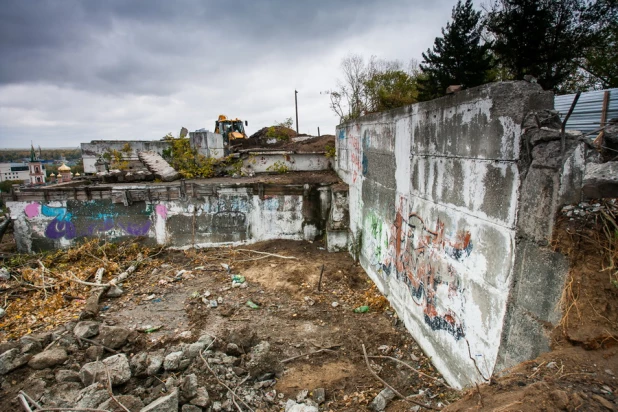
(140,46)
(77,70)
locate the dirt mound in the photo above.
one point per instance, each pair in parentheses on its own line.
(282,131)
(579,373)
(299,144)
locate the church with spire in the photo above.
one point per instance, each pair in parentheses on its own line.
(37,169)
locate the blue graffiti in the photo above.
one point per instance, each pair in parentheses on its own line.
(59,228)
(341,134)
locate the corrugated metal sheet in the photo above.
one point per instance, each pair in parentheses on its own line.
(587,114)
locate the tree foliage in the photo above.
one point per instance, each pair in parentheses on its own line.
(550,39)
(459,57)
(373,86)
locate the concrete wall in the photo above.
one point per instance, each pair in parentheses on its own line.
(262,162)
(179,216)
(434,194)
(210,144)
(91,151)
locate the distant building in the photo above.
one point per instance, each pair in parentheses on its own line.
(14,171)
(64,174)
(37,170)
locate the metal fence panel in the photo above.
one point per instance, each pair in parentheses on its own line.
(587,114)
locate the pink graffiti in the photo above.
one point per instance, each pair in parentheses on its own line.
(32,210)
(161,211)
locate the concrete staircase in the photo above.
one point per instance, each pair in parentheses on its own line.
(158,166)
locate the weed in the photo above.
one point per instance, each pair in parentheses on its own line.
(278,167)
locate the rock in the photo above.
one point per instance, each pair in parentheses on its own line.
(139,363)
(66,375)
(302,395)
(94,352)
(319,395)
(206,339)
(12,359)
(171,383)
(191,408)
(201,399)
(30,345)
(117,365)
(4,274)
(92,396)
(233,349)
(155,361)
(5,346)
(453,89)
(292,406)
(113,336)
(188,388)
(64,394)
(114,292)
(380,402)
(239,371)
(172,361)
(132,403)
(216,406)
(601,180)
(262,360)
(193,350)
(86,329)
(146,364)
(48,358)
(167,403)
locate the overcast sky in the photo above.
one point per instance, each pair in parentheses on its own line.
(73,71)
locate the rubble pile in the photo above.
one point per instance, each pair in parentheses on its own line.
(89,364)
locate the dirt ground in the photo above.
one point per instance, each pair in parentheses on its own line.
(293,316)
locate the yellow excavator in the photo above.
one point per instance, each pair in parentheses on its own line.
(232,128)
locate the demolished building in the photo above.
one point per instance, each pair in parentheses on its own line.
(448,205)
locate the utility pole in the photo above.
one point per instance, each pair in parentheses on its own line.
(296,104)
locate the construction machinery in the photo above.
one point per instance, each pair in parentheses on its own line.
(232,128)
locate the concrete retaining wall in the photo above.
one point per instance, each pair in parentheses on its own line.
(264,162)
(435,192)
(179,216)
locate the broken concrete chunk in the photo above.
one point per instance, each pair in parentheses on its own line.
(132,403)
(167,403)
(188,388)
(92,396)
(113,336)
(601,180)
(86,329)
(262,360)
(201,399)
(191,408)
(117,365)
(380,402)
(66,375)
(292,406)
(172,361)
(48,358)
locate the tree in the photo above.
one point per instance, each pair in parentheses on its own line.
(549,39)
(601,57)
(373,86)
(459,57)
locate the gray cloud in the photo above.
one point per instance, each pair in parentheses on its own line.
(75,70)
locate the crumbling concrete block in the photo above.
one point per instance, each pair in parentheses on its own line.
(601,180)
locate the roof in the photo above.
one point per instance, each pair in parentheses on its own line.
(64,168)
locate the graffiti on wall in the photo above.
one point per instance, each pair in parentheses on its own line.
(86,219)
(425,259)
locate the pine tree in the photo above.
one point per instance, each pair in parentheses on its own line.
(459,57)
(547,39)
